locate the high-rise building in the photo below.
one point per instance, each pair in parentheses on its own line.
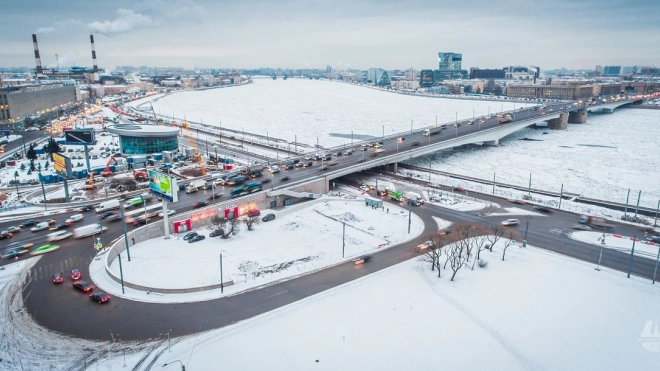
(449,61)
(612,71)
(426,78)
(599,70)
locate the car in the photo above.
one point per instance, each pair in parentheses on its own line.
(74,218)
(59,235)
(216,233)
(58,226)
(13,229)
(338,153)
(100,297)
(284,178)
(414,203)
(362,259)
(83,286)
(543,209)
(75,274)
(214,196)
(196,238)
(582,227)
(113,217)
(140,220)
(199,204)
(288,166)
(364,188)
(13,253)
(70,150)
(415,143)
(364,149)
(323,168)
(299,164)
(19,245)
(655,239)
(85,208)
(44,249)
(425,245)
(268,217)
(308,163)
(510,222)
(29,223)
(58,278)
(253,213)
(170,212)
(40,227)
(517,201)
(458,189)
(5,235)
(189,235)
(265,180)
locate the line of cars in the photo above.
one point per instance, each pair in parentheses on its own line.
(80,285)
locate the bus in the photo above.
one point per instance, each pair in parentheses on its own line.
(152,211)
(247,189)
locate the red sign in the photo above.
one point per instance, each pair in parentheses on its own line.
(182,226)
(231,213)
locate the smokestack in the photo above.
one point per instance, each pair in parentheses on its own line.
(37,58)
(96,66)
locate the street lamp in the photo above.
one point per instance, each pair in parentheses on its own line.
(18,194)
(144,203)
(528,217)
(183,368)
(602,245)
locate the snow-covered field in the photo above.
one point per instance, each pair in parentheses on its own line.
(596,159)
(308,235)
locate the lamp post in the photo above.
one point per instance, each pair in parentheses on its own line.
(43,191)
(528,217)
(123,222)
(144,203)
(183,368)
(18,194)
(602,245)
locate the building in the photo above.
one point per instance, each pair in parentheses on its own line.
(426,78)
(612,71)
(598,71)
(477,73)
(441,75)
(139,139)
(405,84)
(19,101)
(449,61)
(378,76)
(562,92)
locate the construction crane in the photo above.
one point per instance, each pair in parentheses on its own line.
(196,156)
(156,120)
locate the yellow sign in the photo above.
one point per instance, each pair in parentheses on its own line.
(59,162)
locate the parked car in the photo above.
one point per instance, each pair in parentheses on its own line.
(215,233)
(189,235)
(100,297)
(253,213)
(510,222)
(268,217)
(199,237)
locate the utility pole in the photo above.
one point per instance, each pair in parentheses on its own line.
(561,195)
(632,252)
(343,239)
(625,211)
(222,287)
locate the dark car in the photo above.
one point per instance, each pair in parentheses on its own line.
(285,178)
(253,213)
(362,259)
(288,166)
(216,233)
(13,252)
(543,209)
(415,143)
(106,214)
(59,226)
(189,235)
(458,189)
(58,278)
(265,180)
(83,286)
(29,223)
(213,196)
(199,204)
(100,297)
(113,217)
(140,221)
(75,274)
(5,235)
(414,203)
(308,164)
(268,217)
(323,168)
(199,237)
(655,239)
(86,208)
(256,174)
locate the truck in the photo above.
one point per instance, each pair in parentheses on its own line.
(195,185)
(595,222)
(433,130)
(140,174)
(246,189)
(414,196)
(395,195)
(88,230)
(137,200)
(107,206)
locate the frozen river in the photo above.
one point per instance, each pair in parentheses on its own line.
(600,159)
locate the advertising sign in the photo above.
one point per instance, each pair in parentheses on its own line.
(82,136)
(62,165)
(163,186)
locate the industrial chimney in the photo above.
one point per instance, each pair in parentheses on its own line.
(96,66)
(40,71)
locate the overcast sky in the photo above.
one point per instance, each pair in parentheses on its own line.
(344,33)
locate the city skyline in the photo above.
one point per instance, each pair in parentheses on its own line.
(362,34)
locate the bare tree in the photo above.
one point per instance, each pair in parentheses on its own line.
(511,238)
(456,256)
(434,252)
(233,227)
(250,221)
(226,227)
(496,232)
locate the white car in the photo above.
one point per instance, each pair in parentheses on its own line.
(74,218)
(582,227)
(274,169)
(169,213)
(425,245)
(510,222)
(59,235)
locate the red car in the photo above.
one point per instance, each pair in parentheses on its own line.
(100,297)
(58,278)
(75,274)
(253,213)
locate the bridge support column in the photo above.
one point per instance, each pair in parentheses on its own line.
(578,117)
(560,123)
(608,110)
(395,167)
(492,143)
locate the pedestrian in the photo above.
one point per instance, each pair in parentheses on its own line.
(388,210)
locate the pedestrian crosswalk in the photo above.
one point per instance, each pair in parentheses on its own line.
(46,271)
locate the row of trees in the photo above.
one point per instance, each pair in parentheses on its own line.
(227,227)
(463,246)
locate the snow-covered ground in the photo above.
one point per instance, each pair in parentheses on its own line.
(595,159)
(249,257)
(643,248)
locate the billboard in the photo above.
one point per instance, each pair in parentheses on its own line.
(62,165)
(80,136)
(163,186)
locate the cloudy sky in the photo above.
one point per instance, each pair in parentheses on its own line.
(343,33)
